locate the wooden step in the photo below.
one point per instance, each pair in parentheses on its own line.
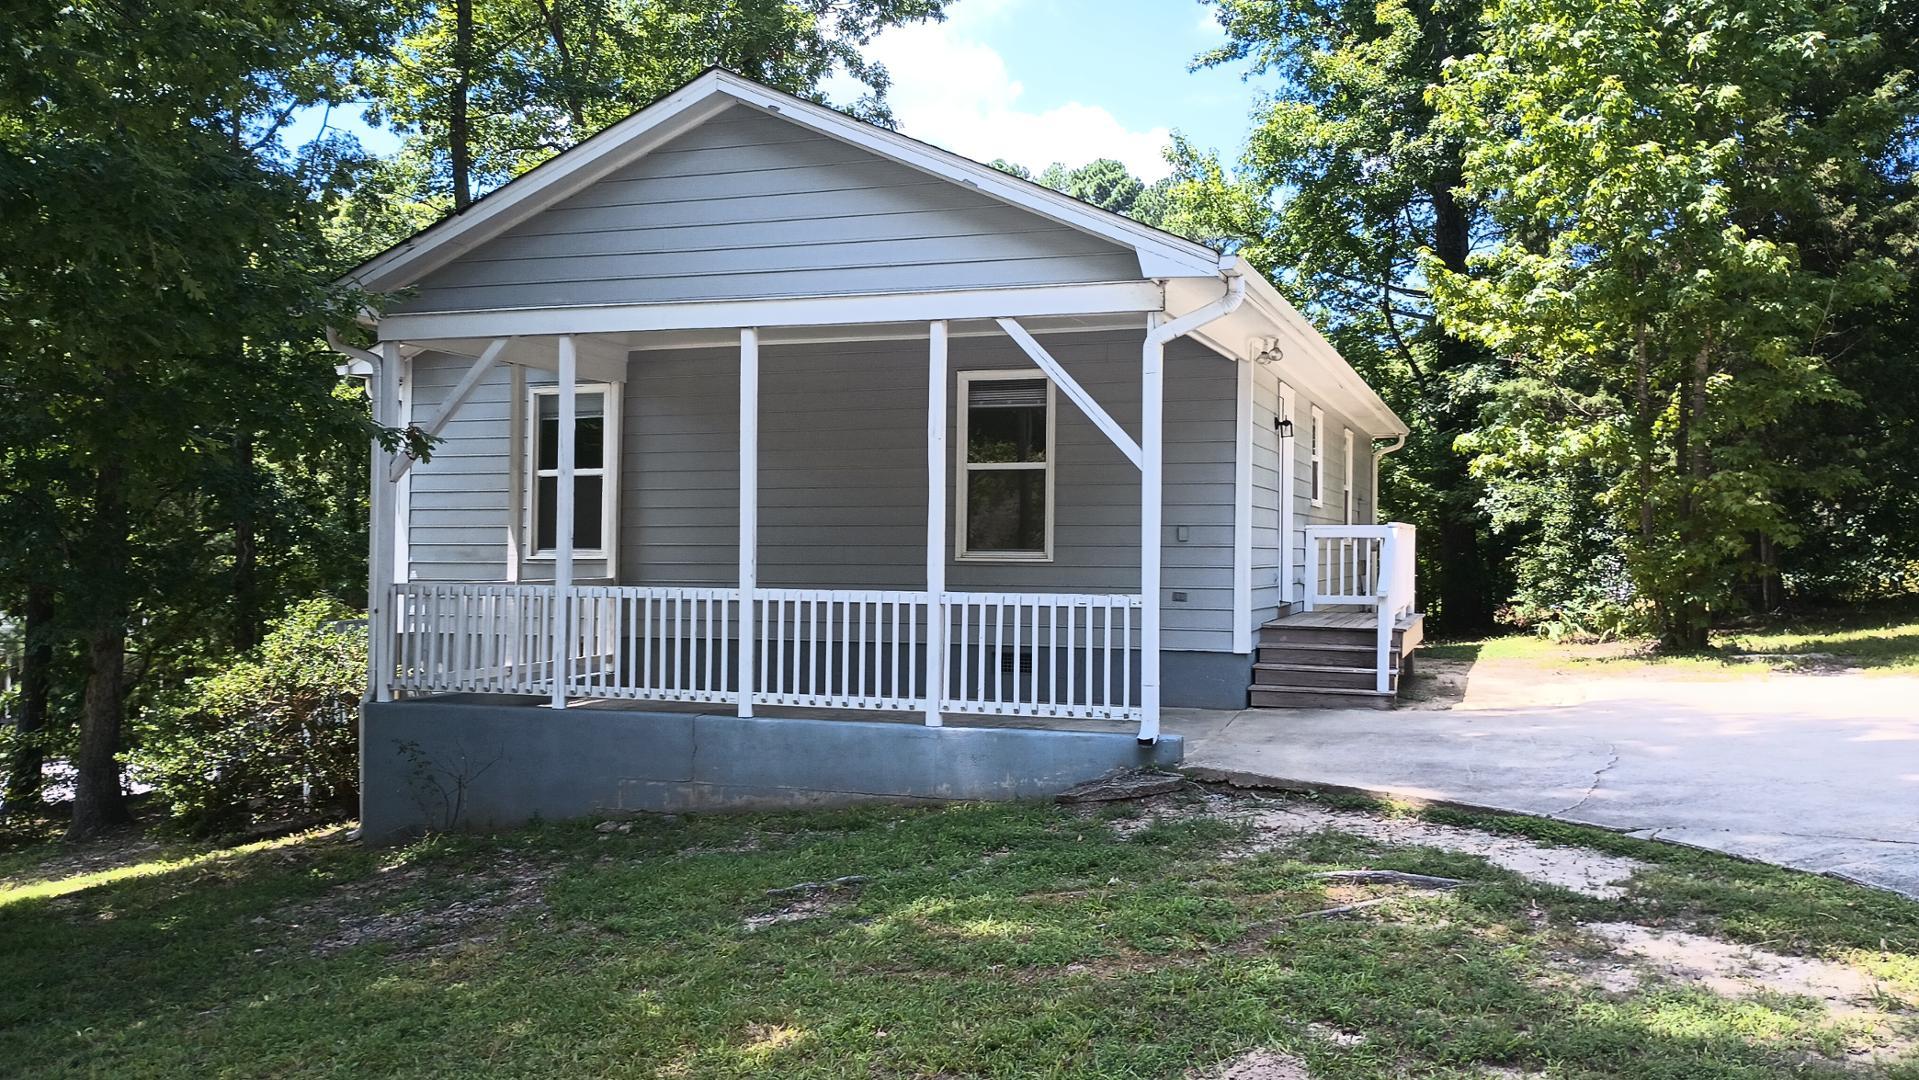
(1322,655)
(1319,697)
(1323,635)
(1296,676)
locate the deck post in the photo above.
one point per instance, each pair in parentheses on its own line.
(563,520)
(935,520)
(383,391)
(1152,445)
(749,508)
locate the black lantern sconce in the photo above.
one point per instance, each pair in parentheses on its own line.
(1283,426)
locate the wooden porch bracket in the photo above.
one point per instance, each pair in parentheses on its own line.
(482,366)
(1100,417)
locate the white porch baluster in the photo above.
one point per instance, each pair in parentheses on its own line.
(749,509)
(563,522)
(935,521)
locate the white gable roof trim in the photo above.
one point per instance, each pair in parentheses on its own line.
(1161,254)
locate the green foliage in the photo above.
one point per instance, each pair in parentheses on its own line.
(268,737)
(486,89)
(1345,180)
(1694,204)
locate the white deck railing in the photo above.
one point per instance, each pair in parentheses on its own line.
(1364,565)
(1013,654)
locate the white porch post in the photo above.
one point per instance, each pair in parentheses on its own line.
(749,508)
(1152,430)
(563,521)
(935,520)
(384,391)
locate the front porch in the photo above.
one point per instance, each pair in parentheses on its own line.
(568,622)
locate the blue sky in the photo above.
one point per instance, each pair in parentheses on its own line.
(1039,81)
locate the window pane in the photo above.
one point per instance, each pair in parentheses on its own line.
(589,447)
(548,434)
(545,490)
(1006,510)
(587,513)
(1006,420)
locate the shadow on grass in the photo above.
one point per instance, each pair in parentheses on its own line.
(1001,940)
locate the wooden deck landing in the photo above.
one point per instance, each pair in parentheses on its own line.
(1329,618)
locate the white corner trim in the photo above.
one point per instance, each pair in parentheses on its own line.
(1243,507)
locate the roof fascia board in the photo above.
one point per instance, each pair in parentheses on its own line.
(1161,254)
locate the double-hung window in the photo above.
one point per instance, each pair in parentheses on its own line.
(1005,497)
(596,443)
(1318,451)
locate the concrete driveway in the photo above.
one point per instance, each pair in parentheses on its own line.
(1817,772)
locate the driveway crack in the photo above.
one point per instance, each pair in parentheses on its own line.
(1598,775)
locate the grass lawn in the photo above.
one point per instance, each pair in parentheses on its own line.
(1005,940)
(1877,637)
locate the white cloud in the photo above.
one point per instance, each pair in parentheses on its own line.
(952,89)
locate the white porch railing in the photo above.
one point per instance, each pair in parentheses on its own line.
(1364,565)
(1013,654)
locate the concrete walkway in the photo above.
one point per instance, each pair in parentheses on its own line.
(1816,772)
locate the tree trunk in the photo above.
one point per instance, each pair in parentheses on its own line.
(98,802)
(459,148)
(247,627)
(36,687)
(575,105)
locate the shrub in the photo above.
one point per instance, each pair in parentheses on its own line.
(274,736)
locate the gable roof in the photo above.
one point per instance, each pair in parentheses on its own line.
(1161,254)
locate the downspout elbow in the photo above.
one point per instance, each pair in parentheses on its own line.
(1379,454)
(361,362)
(1218,309)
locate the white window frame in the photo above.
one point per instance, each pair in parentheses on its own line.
(1349,476)
(609,472)
(964,467)
(1317,448)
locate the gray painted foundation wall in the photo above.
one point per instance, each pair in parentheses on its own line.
(461,763)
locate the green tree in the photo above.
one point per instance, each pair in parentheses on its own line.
(1697,203)
(161,285)
(486,89)
(1345,180)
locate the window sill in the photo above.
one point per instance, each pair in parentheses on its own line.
(578,556)
(1008,557)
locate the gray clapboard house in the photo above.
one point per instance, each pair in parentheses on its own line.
(844,424)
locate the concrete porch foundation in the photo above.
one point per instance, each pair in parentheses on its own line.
(484,762)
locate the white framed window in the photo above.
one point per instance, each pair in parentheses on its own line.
(1004,502)
(1349,476)
(1317,449)
(596,469)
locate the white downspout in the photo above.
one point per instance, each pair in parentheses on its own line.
(1379,511)
(1152,442)
(363,364)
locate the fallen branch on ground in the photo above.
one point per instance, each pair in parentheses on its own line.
(805,887)
(1389,877)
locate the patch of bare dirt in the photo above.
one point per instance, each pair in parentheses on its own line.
(1257,1065)
(389,909)
(1634,955)
(807,900)
(1581,870)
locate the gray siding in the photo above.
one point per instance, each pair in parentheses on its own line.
(750,205)
(842,475)
(1268,591)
